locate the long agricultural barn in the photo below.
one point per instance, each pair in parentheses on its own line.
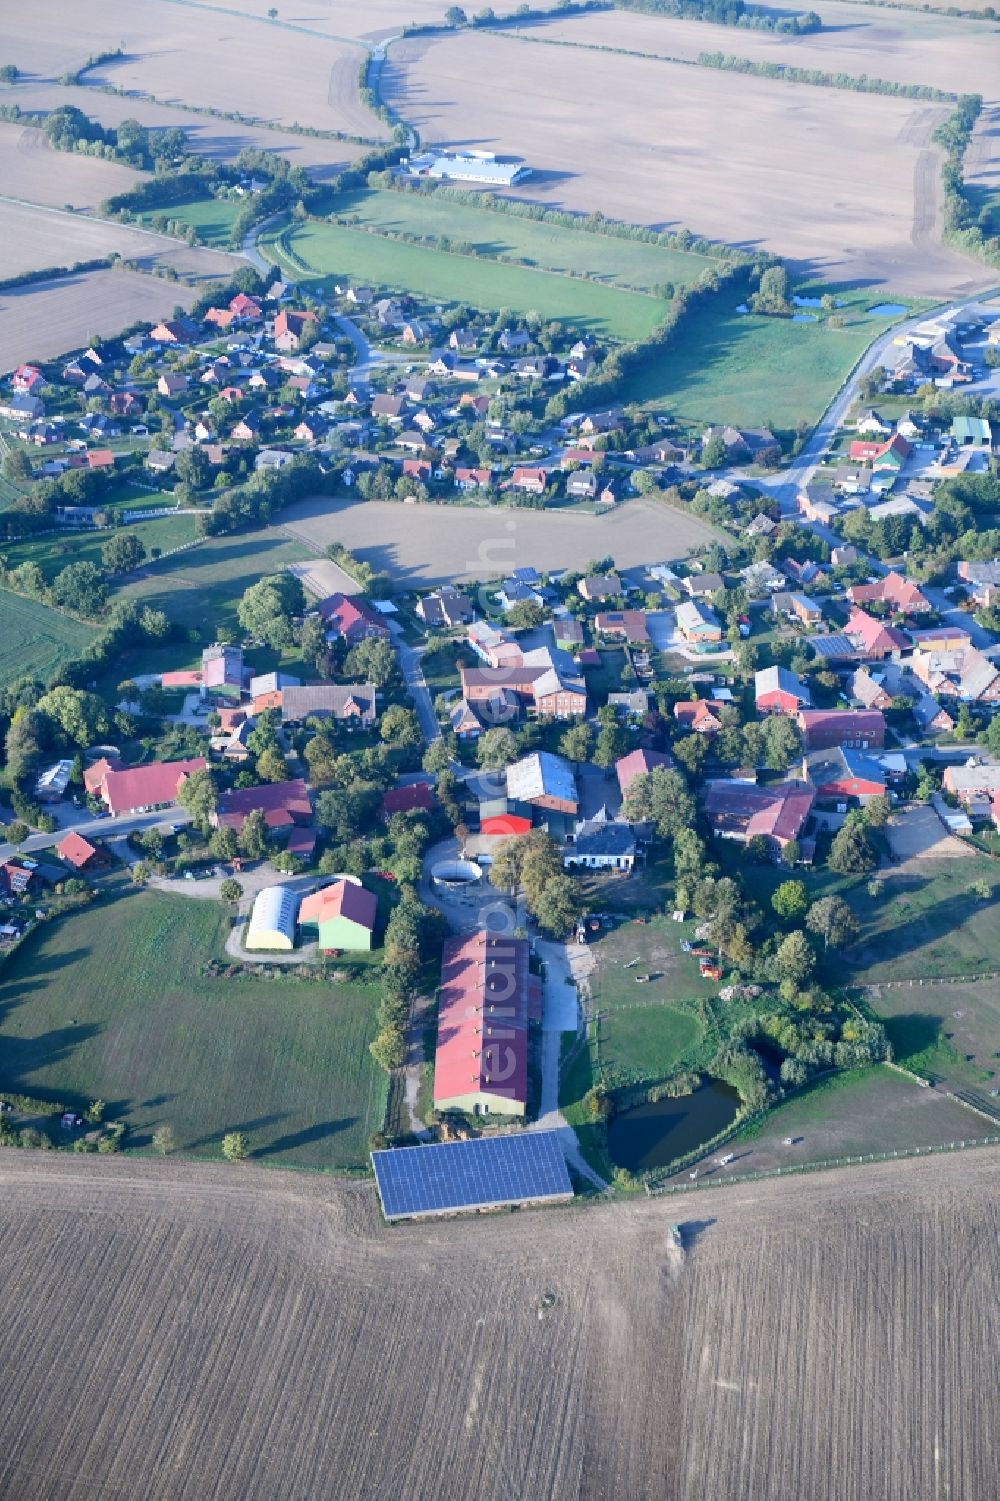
(468,166)
(487,997)
(272,922)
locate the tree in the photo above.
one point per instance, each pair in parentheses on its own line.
(389,1048)
(851,852)
(17,832)
(271,765)
(312,640)
(832,920)
(454,16)
(199,794)
(791,900)
(508,863)
(781,742)
(272,13)
(774,295)
(790,853)
(714,453)
(496,748)
(266,609)
(235,1146)
(436,758)
(612,743)
(660,797)
(122,552)
(223,844)
(691,751)
(372,661)
(164,1141)
(876,811)
(795,960)
(81,717)
(253,838)
(400,727)
(230,891)
(557,905)
(575,743)
(80,587)
(526,615)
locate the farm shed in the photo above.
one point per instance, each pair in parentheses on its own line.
(485,1173)
(342,915)
(272,922)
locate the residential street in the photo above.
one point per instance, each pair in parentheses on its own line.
(101,828)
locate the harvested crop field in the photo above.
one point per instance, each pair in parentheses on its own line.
(47,318)
(743,160)
(36,641)
(211,137)
(262,1336)
(420,545)
(903,46)
(342,17)
(36,238)
(204,56)
(30,169)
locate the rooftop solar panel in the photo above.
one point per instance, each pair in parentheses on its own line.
(485,1173)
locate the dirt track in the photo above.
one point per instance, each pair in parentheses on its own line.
(224,1332)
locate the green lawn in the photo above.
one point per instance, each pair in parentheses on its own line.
(641,1043)
(213,218)
(36,641)
(111,1004)
(320,250)
(726,366)
(53,553)
(575,1078)
(625,263)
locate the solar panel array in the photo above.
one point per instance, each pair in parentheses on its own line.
(485,1172)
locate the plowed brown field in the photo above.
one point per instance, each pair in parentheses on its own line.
(224,1332)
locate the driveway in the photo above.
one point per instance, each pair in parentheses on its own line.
(566,967)
(416,686)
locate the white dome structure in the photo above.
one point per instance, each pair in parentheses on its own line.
(272,922)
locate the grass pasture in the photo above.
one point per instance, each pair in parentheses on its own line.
(110,1003)
(623,263)
(726,366)
(54,552)
(319,251)
(35,641)
(213,218)
(948,1031)
(927,923)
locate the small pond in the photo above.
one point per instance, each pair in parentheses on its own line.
(808,301)
(804,318)
(889,309)
(654,1134)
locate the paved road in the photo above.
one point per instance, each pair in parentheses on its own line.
(416,686)
(249,251)
(103,828)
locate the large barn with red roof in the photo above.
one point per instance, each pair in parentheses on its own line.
(487,997)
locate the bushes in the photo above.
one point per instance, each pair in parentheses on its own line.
(962,226)
(860,83)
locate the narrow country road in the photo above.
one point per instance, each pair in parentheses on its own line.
(416,686)
(102,828)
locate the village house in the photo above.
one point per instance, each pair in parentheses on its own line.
(601,844)
(841,773)
(138,789)
(222,673)
(290,329)
(623,625)
(595,588)
(351,618)
(971,782)
(639,763)
(894,591)
(699,626)
(531,480)
(350,704)
(283,805)
(931,716)
(742,811)
(872,639)
(869,692)
(492,646)
(777,690)
(445,607)
(467,478)
(702,716)
(857,729)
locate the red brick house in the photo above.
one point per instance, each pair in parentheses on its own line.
(856,729)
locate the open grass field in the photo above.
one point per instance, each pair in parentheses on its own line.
(54,552)
(764,1361)
(949,1032)
(845,186)
(726,366)
(421,545)
(657,947)
(201,55)
(927,922)
(213,218)
(209,136)
(627,263)
(32,170)
(36,641)
(321,251)
(110,1004)
(202,588)
(903,46)
(847,1115)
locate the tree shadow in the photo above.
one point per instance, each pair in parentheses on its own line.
(913,1032)
(320,1132)
(259,1123)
